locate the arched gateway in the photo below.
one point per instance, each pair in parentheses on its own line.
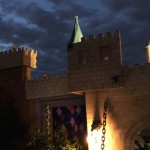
(138,136)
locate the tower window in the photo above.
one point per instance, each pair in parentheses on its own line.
(83,57)
(105,53)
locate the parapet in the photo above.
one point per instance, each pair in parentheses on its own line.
(47,87)
(18,57)
(102,36)
(136,71)
(136,67)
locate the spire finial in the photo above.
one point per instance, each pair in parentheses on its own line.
(76,18)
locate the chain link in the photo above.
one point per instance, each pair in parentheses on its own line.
(104,126)
(47,115)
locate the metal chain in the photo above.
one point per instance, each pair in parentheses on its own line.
(47,114)
(104,126)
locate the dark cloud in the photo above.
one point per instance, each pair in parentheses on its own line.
(132,19)
(61,3)
(47,34)
(47,27)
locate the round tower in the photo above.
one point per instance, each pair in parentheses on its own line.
(148,52)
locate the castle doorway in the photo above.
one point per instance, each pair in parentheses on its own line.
(142,140)
(68,118)
(71,121)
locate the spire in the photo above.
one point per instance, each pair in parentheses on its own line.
(76,33)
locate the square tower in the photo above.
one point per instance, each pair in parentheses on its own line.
(15,68)
(95,63)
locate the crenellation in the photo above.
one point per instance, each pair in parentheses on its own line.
(126,68)
(19,50)
(109,34)
(14,49)
(10,51)
(83,39)
(101,36)
(136,67)
(57,78)
(147,64)
(118,33)
(51,86)
(92,37)
(18,57)
(30,52)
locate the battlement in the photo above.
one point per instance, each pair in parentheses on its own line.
(136,67)
(102,37)
(57,78)
(18,57)
(46,87)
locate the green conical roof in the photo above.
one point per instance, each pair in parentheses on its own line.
(76,33)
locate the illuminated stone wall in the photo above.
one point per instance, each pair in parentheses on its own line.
(102,77)
(128,108)
(94,62)
(52,86)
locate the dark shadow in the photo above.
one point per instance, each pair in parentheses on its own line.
(96,121)
(142,141)
(12,130)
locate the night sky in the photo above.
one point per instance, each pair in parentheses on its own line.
(46,26)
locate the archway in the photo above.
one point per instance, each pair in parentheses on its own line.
(138,136)
(142,140)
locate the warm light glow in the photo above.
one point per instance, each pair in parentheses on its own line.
(94,139)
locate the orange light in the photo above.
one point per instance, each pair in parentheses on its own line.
(94,139)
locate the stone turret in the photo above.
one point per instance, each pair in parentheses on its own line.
(14,58)
(15,68)
(18,58)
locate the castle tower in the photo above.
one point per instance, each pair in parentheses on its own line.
(15,69)
(95,63)
(15,66)
(23,59)
(148,52)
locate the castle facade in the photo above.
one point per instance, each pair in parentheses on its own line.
(98,100)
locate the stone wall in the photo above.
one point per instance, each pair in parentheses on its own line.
(42,88)
(128,108)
